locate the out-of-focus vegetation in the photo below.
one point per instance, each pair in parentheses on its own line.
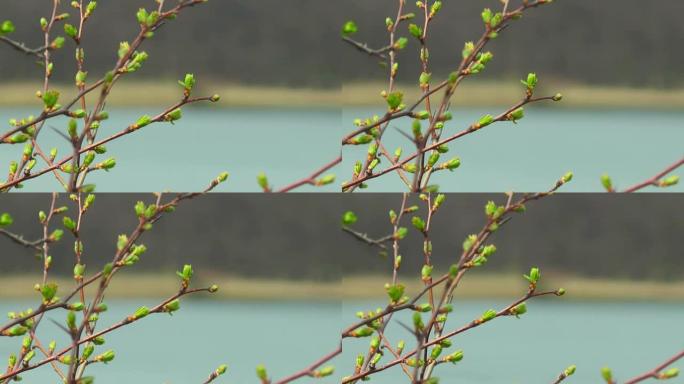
(603,236)
(296,43)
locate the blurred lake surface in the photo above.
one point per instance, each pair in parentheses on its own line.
(630,337)
(289,144)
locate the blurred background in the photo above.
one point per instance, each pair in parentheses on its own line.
(284,72)
(286,269)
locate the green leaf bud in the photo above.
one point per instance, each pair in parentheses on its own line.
(172,306)
(607,375)
(17,330)
(139,313)
(519,309)
(349,28)
(362,332)
(570,370)
(324,372)
(50,99)
(71,31)
(516,115)
(410,167)
(71,320)
(261,372)
(141,16)
(418,321)
(424,78)
(394,100)
(401,43)
(607,182)
(415,31)
(488,315)
(349,218)
(669,181)
(69,223)
(454,357)
(107,164)
(48,291)
(451,164)
(325,180)
(400,233)
(418,223)
(6,27)
(436,351)
(105,357)
(76,306)
(485,121)
(566,178)
(186,273)
(6,220)
(188,82)
(534,276)
(174,115)
(143,121)
(530,82)
(262,180)
(222,177)
(395,292)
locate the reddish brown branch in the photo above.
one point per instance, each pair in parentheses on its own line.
(655,179)
(311,179)
(309,371)
(655,372)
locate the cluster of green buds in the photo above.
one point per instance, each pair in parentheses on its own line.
(480,62)
(147,19)
(145,212)
(136,62)
(492,21)
(49,293)
(50,99)
(134,255)
(394,100)
(396,293)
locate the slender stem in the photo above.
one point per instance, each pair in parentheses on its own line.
(655,179)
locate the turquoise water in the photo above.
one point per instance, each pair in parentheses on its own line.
(287,144)
(630,145)
(286,336)
(185,348)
